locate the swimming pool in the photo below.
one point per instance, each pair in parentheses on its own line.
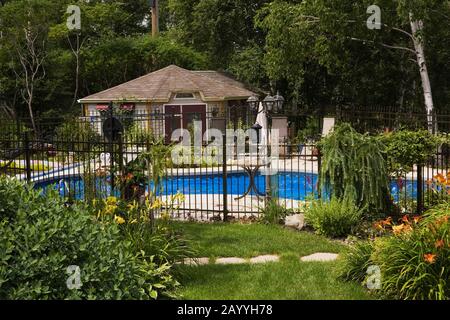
(286,185)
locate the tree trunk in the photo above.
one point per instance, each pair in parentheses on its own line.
(30,110)
(77,70)
(417,27)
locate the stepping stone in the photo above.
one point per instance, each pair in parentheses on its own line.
(230,261)
(196,261)
(264,259)
(320,257)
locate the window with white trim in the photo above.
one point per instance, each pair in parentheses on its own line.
(184,95)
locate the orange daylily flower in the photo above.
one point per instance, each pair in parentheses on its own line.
(405,219)
(378,225)
(407,228)
(440,178)
(439,244)
(442,220)
(387,222)
(417,219)
(398,229)
(401,228)
(429,258)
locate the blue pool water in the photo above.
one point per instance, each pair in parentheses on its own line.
(288,185)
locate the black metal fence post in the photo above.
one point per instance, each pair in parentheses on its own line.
(111,150)
(420,205)
(121,163)
(224,178)
(27,156)
(319,168)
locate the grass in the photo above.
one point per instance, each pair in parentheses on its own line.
(33,167)
(288,279)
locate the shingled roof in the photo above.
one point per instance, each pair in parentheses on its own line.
(159,86)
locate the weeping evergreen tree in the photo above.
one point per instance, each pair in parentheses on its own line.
(353,167)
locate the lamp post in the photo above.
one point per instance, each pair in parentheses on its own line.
(271,105)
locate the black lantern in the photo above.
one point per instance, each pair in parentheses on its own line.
(253,102)
(269,103)
(279,102)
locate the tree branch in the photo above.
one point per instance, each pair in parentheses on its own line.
(385,45)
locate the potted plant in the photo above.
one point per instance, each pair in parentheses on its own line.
(300,140)
(307,135)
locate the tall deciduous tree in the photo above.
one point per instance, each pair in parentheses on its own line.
(217,27)
(333,34)
(25,28)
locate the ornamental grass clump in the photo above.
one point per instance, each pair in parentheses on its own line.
(356,261)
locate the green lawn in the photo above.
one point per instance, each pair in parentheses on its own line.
(288,279)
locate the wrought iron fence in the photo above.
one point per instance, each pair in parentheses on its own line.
(88,158)
(379,119)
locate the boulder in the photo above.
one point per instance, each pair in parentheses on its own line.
(296,221)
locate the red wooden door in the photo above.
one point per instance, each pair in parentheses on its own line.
(193,113)
(172,121)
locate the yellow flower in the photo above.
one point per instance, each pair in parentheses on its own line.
(111,201)
(156,205)
(179,197)
(119,220)
(110,209)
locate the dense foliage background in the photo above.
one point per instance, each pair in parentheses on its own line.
(317,52)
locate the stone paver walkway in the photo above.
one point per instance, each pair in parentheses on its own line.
(320,257)
(230,261)
(264,259)
(316,257)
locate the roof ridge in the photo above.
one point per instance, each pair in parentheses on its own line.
(162,83)
(222,82)
(190,80)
